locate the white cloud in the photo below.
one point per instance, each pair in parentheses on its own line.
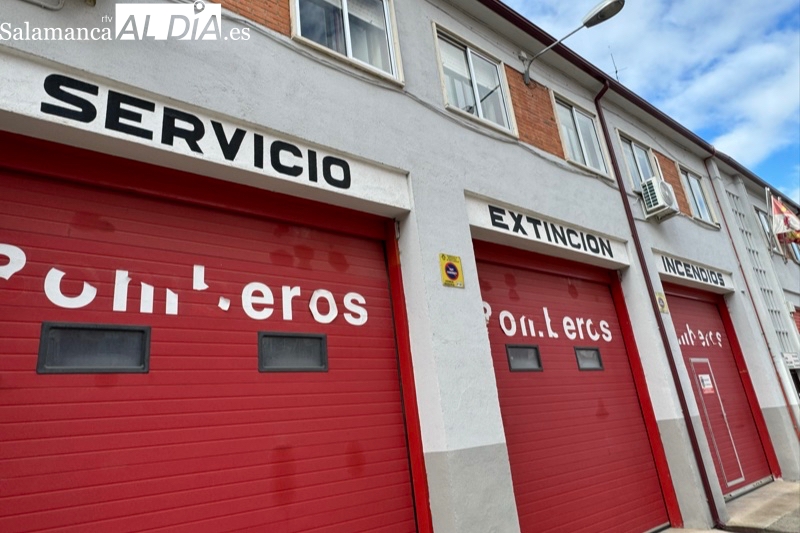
(793,190)
(729,67)
(794,194)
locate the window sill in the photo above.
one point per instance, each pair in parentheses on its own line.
(350,62)
(710,225)
(482,121)
(590,169)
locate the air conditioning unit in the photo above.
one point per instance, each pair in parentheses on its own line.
(659,199)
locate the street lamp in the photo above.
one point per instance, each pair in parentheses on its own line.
(601,13)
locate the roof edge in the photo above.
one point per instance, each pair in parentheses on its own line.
(545,38)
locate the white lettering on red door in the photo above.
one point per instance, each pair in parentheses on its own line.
(487,312)
(550,333)
(199,278)
(355,303)
(16,260)
(121,292)
(313,305)
(692,337)
(256,293)
(52,288)
(258,300)
(573,328)
(507,323)
(146,299)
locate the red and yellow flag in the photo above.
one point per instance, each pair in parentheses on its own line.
(785,224)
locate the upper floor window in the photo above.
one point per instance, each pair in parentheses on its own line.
(467,73)
(358,29)
(697,197)
(580,137)
(637,157)
(766,226)
(795,251)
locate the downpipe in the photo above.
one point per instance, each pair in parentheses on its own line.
(637,243)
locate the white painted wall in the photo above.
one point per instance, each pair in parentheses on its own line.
(424,160)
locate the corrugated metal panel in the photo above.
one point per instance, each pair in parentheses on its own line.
(736,448)
(579,452)
(203,442)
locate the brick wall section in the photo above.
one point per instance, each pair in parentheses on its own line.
(671,176)
(274,14)
(796,317)
(533,107)
(534,113)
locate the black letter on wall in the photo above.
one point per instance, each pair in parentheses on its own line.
(115,112)
(229,148)
(169,130)
(275,156)
(54,86)
(330,161)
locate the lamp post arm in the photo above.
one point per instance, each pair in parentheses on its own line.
(534,58)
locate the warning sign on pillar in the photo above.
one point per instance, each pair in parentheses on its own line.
(706,385)
(792,360)
(452,275)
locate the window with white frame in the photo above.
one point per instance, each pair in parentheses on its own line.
(468,73)
(697,197)
(637,157)
(795,251)
(580,137)
(358,29)
(766,226)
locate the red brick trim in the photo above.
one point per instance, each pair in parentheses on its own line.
(274,14)
(534,113)
(669,171)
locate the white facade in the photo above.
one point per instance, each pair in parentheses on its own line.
(435,170)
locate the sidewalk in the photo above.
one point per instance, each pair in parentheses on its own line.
(773,508)
(673,530)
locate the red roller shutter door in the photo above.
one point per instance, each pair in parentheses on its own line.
(580,456)
(204,441)
(736,448)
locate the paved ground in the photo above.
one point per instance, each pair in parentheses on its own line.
(773,508)
(673,530)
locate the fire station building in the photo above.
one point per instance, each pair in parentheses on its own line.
(339,268)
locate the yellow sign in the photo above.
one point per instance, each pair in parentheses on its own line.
(662,303)
(450,267)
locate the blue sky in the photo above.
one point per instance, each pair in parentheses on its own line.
(727,69)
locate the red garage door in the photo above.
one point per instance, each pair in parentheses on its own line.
(579,451)
(736,448)
(255,383)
